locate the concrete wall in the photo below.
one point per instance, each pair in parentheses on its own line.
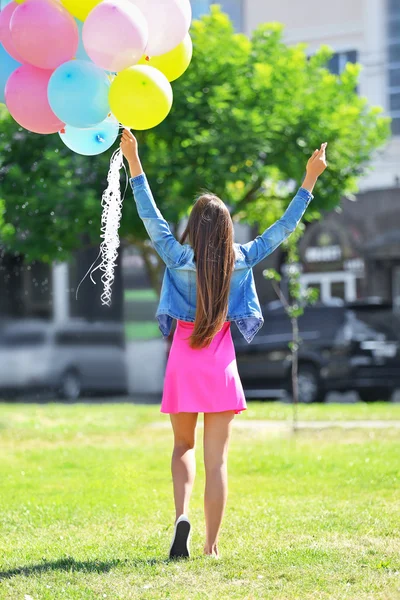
(146,360)
(315,20)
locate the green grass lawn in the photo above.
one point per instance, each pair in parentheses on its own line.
(141,330)
(86,507)
(140,295)
(359,411)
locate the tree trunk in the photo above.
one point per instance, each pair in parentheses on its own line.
(295,363)
(88,304)
(12,298)
(153,270)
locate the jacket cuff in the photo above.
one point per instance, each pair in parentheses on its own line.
(138,180)
(306,194)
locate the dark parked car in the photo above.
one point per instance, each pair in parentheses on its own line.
(352,346)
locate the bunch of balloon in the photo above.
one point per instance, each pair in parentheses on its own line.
(80,68)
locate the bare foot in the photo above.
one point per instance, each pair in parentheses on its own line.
(213,551)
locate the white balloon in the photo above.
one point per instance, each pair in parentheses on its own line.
(168,21)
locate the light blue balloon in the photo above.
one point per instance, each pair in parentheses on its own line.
(93,140)
(81,53)
(7,66)
(3,3)
(78,93)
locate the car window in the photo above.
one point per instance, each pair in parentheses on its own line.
(89,338)
(23,339)
(376,323)
(323,321)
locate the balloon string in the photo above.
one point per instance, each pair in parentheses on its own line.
(112,208)
(89,271)
(110,218)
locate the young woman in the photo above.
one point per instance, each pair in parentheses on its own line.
(208,283)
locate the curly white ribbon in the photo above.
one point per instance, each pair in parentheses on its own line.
(111,203)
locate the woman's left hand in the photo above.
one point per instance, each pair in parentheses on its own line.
(317,163)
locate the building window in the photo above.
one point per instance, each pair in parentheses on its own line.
(337,63)
(332,285)
(393,28)
(234,8)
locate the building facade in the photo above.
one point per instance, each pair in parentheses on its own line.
(354,253)
(234,8)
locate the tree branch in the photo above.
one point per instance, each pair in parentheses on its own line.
(250,195)
(153,270)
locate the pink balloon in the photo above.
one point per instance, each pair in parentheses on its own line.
(26,99)
(5,33)
(115,35)
(168,22)
(44,33)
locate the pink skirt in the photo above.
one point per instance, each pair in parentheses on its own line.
(202,380)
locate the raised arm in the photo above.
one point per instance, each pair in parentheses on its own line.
(167,246)
(271,238)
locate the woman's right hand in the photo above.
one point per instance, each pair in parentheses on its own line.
(129,146)
(316,165)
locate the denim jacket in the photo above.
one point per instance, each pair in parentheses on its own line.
(178,290)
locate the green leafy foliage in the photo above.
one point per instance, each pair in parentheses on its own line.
(311,295)
(272,274)
(246,116)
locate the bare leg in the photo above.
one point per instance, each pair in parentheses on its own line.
(217,430)
(183,463)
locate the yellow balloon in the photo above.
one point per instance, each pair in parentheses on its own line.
(80,8)
(174,63)
(22,1)
(140,97)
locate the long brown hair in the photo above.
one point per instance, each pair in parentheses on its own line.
(210,231)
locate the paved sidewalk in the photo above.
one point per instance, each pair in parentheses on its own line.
(265,425)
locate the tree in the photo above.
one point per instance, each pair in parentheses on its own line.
(294,307)
(246,115)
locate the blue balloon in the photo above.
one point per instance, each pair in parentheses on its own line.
(3,3)
(93,140)
(7,66)
(81,53)
(78,93)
